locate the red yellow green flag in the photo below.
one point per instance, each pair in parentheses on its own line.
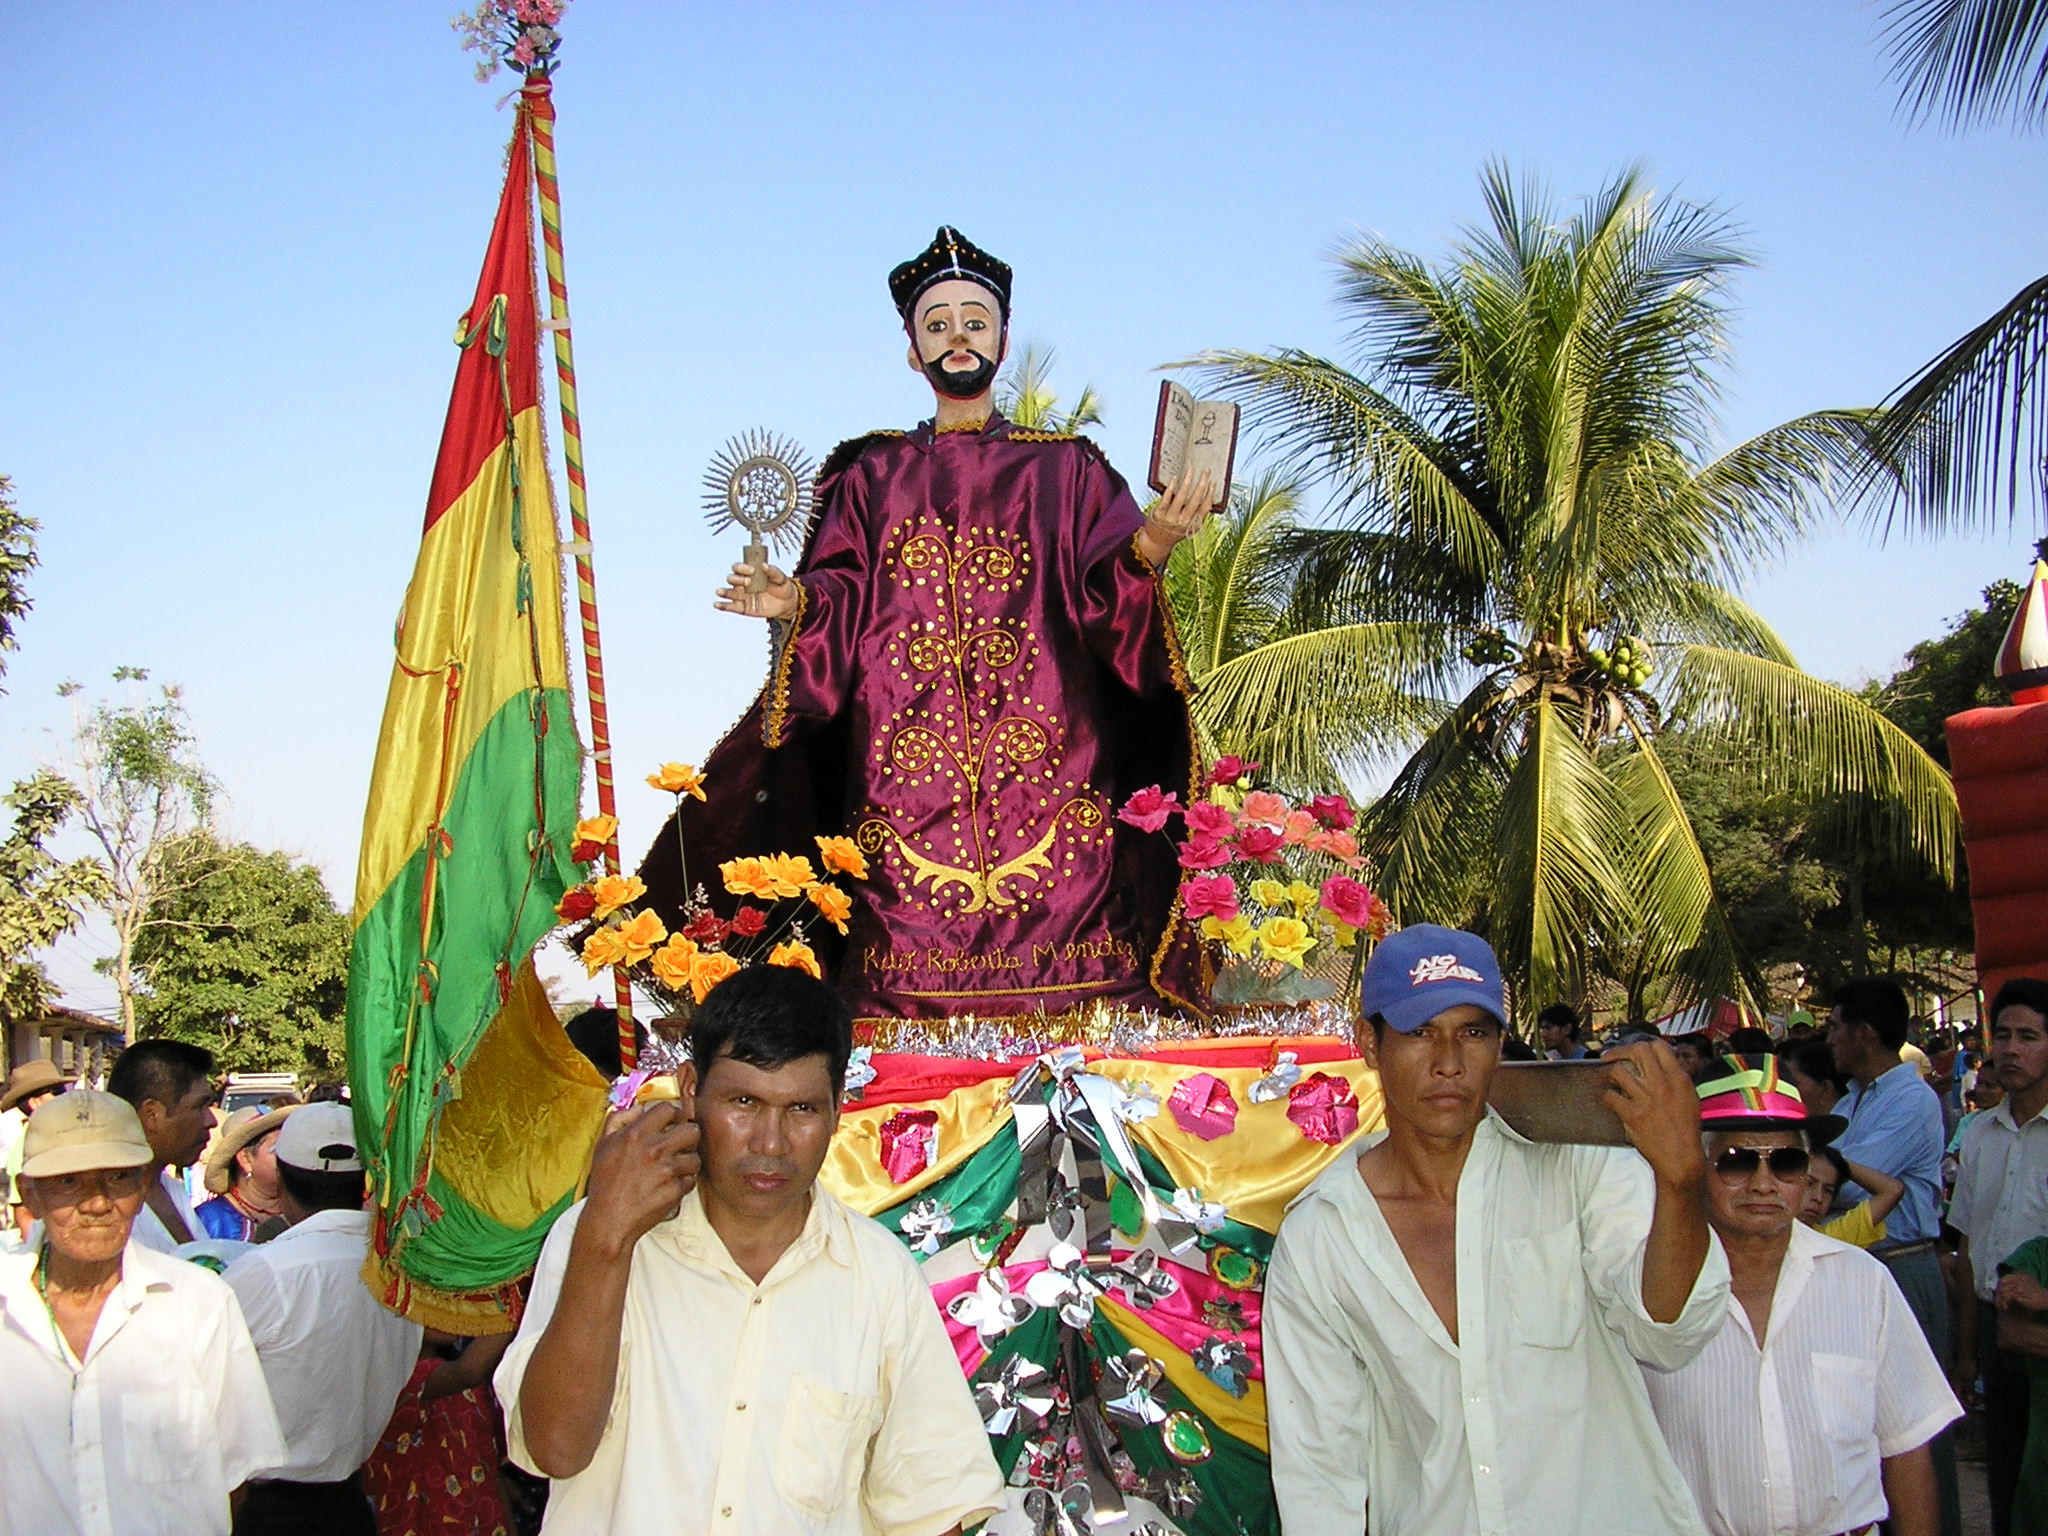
(476,1116)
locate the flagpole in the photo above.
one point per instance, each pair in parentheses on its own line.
(539,107)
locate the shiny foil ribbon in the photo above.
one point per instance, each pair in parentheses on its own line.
(1202,1106)
(1324,1109)
(910,1143)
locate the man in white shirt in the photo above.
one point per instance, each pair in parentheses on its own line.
(131,1402)
(170,1084)
(740,1355)
(1811,1411)
(29,1087)
(1453,1318)
(335,1357)
(2000,1202)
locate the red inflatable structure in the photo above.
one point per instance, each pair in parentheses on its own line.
(1999,758)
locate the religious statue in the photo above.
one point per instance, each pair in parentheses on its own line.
(973,665)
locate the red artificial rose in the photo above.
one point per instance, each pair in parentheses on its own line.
(576,904)
(749,921)
(705,928)
(1149,809)
(1203,853)
(1260,843)
(584,851)
(1333,811)
(1211,821)
(1210,896)
(1347,901)
(1229,770)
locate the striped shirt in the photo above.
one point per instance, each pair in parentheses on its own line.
(1786,1440)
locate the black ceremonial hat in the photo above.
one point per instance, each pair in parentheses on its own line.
(951,254)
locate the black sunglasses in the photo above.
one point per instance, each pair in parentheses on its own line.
(1738,1164)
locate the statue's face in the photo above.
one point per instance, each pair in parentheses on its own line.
(956,337)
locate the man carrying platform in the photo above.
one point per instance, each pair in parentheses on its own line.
(1454,1316)
(973,666)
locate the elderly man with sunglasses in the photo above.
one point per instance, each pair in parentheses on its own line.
(1811,1411)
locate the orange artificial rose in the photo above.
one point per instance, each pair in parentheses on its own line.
(641,934)
(831,901)
(603,948)
(612,892)
(673,962)
(678,779)
(747,877)
(710,968)
(842,856)
(792,872)
(798,956)
(597,829)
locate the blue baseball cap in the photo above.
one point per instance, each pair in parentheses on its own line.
(1415,973)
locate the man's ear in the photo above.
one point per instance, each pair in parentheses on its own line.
(152,1113)
(686,1087)
(1368,1044)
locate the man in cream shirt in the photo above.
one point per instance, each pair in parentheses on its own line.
(741,1355)
(1454,1316)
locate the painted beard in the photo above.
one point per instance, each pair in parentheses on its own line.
(964,384)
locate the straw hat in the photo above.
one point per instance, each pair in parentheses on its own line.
(78,1132)
(31,1077)
(251,1123)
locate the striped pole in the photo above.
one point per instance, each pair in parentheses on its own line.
(537,102)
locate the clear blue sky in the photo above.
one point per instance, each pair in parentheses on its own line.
(238,235)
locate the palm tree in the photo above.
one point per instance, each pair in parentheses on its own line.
(1278,630)
(1967,433)
(1025,394)
(1533,556)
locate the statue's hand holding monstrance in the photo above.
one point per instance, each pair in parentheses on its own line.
(762,484)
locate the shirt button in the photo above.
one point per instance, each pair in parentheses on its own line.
(757,1301)
(739,1407)
(725,1513)
(1484,1470)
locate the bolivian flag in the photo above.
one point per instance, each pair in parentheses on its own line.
(475,1115)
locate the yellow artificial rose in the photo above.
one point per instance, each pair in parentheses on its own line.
(842,856)
(672,962)
(641,934)
(1347,936)
(798,956)
(1269,893)
(1235,935)
(710,968)
(832,903)
(1304,898)
(612,892)
(1286,939)
(597,829)
(602,948)
(678,779)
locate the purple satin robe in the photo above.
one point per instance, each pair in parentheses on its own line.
(981,670)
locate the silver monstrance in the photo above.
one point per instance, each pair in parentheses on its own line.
(761,483)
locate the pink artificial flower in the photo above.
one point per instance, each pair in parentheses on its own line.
(1209,896)
(1149,809)
(1211,821)
(1263,808)
(1301,827)
(1229,770)
(523,52)
(1347,901)
(1333,811)
(1203,853)
(1260,843)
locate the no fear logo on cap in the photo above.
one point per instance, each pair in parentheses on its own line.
(1441,968)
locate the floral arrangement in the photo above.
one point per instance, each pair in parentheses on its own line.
(784,894)
(1269,879)
(518,33)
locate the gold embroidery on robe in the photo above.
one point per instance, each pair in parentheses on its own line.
(973,732)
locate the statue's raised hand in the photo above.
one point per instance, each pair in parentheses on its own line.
(776,600)
(1177,514)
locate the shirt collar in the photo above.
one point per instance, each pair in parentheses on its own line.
(828,1231)
(2002,1113)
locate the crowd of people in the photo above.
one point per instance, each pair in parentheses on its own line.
(1761,1315)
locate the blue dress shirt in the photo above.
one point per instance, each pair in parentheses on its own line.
(1895,1127)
